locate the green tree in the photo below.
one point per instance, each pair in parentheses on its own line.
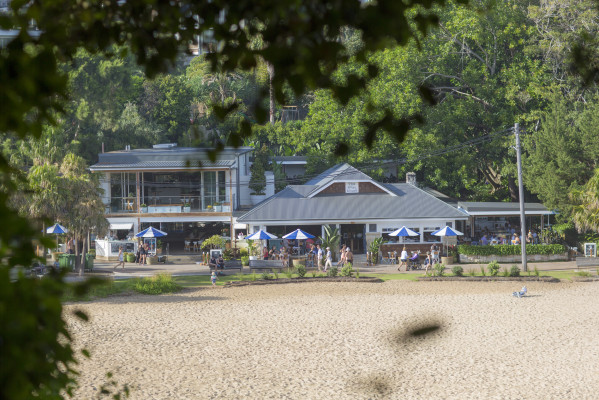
(258,168)
(585,212)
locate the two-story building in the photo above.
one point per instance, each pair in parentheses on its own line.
(178,190)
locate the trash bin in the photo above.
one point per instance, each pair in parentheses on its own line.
(89,262)
(63,261)
(71,262)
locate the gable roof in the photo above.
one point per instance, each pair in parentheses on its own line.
(341,173)
(406,202)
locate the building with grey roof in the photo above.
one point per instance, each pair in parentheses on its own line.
(189,193)
(359,206)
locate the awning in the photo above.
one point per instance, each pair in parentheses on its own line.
(116,227)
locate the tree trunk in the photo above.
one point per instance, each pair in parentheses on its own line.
(83,255)
(76,245)
(271,92)
(513,188)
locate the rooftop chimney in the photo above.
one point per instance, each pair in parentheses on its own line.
(411,178)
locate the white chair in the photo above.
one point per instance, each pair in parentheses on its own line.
(187,245)
(196,246)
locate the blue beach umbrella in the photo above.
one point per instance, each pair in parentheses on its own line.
(151,233)
(261,235)
(57,229)
(403,231)
(298,234)
(446,231)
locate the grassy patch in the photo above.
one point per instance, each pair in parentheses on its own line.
(563,275)
(98,290)
(157,284)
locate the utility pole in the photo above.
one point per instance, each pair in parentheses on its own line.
(521,195)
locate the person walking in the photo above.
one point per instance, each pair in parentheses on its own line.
(213,278)
(404,259)
(121,258)
(319,256)
(349,256)
(329,262)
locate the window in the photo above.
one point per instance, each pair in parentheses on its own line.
(209,189)
(222,187)
(371,227)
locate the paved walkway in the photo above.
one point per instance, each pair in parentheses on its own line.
(102,268)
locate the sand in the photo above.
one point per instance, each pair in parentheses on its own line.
(346,341)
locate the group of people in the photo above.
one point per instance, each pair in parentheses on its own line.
(217,263)
(432,257)
(140,256)
(491,239)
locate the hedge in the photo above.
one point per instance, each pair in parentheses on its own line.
(508,250)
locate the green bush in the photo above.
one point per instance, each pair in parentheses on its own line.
(493,268)
(301,270)
(245,260)
(457,271)
(243,252)
(333,271)
(130,257)
(505,272)
(347,270)
(510,250)
(289,273)
(158,284)
(266,276)
(275,273)
(537,272)
(584,274)
(227,254)
(439,269)
(483,271)
(514,271)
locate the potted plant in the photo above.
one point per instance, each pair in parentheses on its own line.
(152,260)
(186,207)
(144,207)
(209,208)
(253,249)
(158,246)
(217,207)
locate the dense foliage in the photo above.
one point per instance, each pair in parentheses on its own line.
(508,250)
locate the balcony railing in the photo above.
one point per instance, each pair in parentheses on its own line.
(167,204)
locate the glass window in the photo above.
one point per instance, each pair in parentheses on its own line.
(209,189)
(371,227)
(222,188)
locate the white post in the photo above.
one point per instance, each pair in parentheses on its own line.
(521,195)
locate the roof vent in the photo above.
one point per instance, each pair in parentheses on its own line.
(164,146)
(411,178)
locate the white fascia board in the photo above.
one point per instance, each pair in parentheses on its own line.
(507,213)
(186,219)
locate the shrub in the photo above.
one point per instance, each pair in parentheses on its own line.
(472,272)
(275,273)
(227,254)
(483,271)
(357,272)
(266,276)
(253,277)
(289,273)
(301,270)
(457,271)
(245,261)
(130,257)
(514,271)
(214,242)
(537,272)
(439,269)
(493,268)
(505,272)
(509,250)
(347,270)
(243,252)
(313,273)
(585,274)
(158,284)
(333,271)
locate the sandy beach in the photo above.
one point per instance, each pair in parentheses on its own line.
(346,341)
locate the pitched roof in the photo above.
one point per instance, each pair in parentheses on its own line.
(292,204)
(339,173)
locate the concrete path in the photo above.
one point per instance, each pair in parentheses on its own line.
(136,271)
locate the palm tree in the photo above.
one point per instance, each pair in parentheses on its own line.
(331,239)
(585,213)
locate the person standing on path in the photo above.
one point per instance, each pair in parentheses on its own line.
(329,263)
(121,258)
(349,256)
